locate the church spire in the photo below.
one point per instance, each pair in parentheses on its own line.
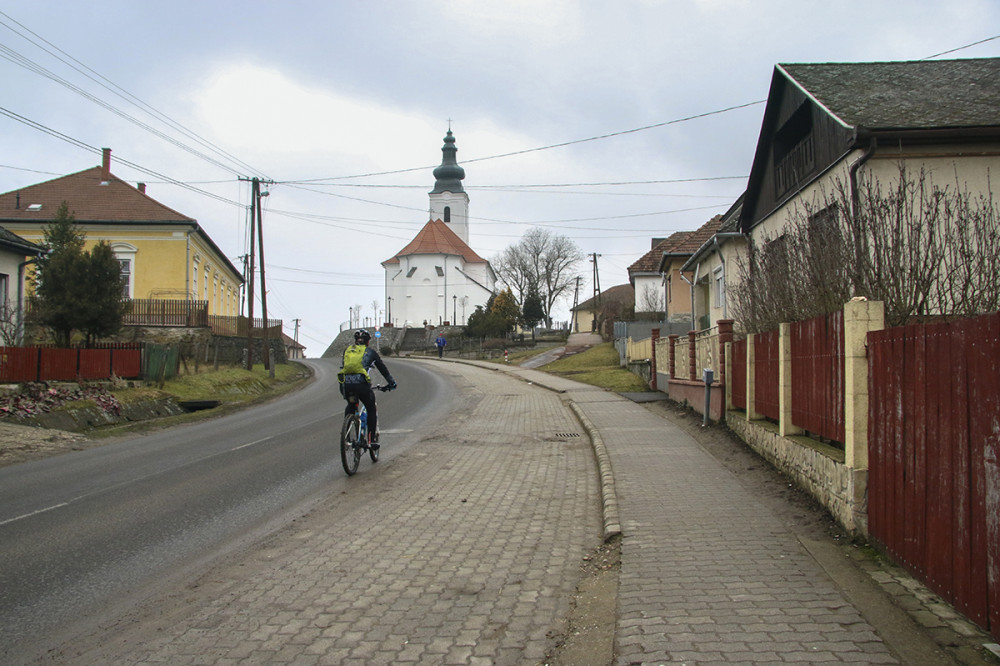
(448,176)
(449,201)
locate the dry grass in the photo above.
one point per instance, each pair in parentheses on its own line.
(598,366)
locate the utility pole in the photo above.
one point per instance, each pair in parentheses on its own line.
(254,201)
(296,338)
(263,284)
(256,239)
(597,292)
(576,302)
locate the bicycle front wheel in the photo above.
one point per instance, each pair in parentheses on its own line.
(350,444)
(373,452)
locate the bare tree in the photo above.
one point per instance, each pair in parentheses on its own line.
(651,300)
(921,249)
(9,325)
(541,261)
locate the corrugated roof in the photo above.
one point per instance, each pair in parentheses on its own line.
(925,94)
(88,199)
(437,238)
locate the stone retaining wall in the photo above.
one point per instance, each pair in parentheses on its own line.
(817,468)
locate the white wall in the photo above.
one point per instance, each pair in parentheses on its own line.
(427,296)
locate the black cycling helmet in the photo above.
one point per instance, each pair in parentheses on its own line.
(362,334)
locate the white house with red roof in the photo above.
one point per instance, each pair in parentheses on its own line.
(437,277)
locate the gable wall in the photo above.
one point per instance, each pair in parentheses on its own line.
(653,284)
(828,142)
(422,297)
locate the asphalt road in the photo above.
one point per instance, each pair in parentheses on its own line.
(86,534)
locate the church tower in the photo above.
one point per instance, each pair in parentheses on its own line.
(449,202)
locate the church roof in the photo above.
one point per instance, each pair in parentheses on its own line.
(437,238)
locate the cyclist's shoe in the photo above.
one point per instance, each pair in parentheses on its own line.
(373,443)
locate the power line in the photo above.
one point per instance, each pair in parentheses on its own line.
(962,48)
(541,148)
(112,87)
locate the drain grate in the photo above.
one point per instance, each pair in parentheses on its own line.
(567,435)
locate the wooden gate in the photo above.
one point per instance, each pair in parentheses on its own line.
(934,458)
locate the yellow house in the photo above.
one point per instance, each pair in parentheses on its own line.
(164,254)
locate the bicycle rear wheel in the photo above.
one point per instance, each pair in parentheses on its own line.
(350,444)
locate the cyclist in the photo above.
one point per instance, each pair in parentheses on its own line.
(355,379)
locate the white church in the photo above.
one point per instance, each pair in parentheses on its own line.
(437,278)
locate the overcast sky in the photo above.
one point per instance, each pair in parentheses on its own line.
(313,94)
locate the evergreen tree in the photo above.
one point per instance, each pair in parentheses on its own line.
(58,296)
(533,311)
(106,304)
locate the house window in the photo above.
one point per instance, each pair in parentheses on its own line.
(447,213)
(126,265)
(125,253)
(205,291)
(194,292)
(4,295)
(440,271)
(720,286)
(410,272)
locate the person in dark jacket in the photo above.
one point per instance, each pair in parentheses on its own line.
(356,380)
(440,342)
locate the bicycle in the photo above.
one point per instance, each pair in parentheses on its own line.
(354,436)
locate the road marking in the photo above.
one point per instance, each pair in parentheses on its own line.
(123,483)
(243,446)
(34,513)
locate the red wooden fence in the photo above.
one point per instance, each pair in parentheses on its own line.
(817,351)
(765,378)
(934,457)
(738,379)
(34,364)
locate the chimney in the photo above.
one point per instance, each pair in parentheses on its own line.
(106,166)
(142,187)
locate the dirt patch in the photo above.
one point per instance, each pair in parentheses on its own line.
(590,634)
(20,443)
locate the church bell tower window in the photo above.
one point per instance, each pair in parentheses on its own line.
(447,213)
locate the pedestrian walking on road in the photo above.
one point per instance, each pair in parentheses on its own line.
(440,342)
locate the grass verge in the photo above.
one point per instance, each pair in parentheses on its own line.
(598,366)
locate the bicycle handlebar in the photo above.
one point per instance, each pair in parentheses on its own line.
(382,387)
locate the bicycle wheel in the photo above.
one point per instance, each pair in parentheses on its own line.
(350,444)
(374,453)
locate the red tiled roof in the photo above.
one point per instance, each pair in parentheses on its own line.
(437,238)
(679,243)
(88,200)
(650,262)
(695,239)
